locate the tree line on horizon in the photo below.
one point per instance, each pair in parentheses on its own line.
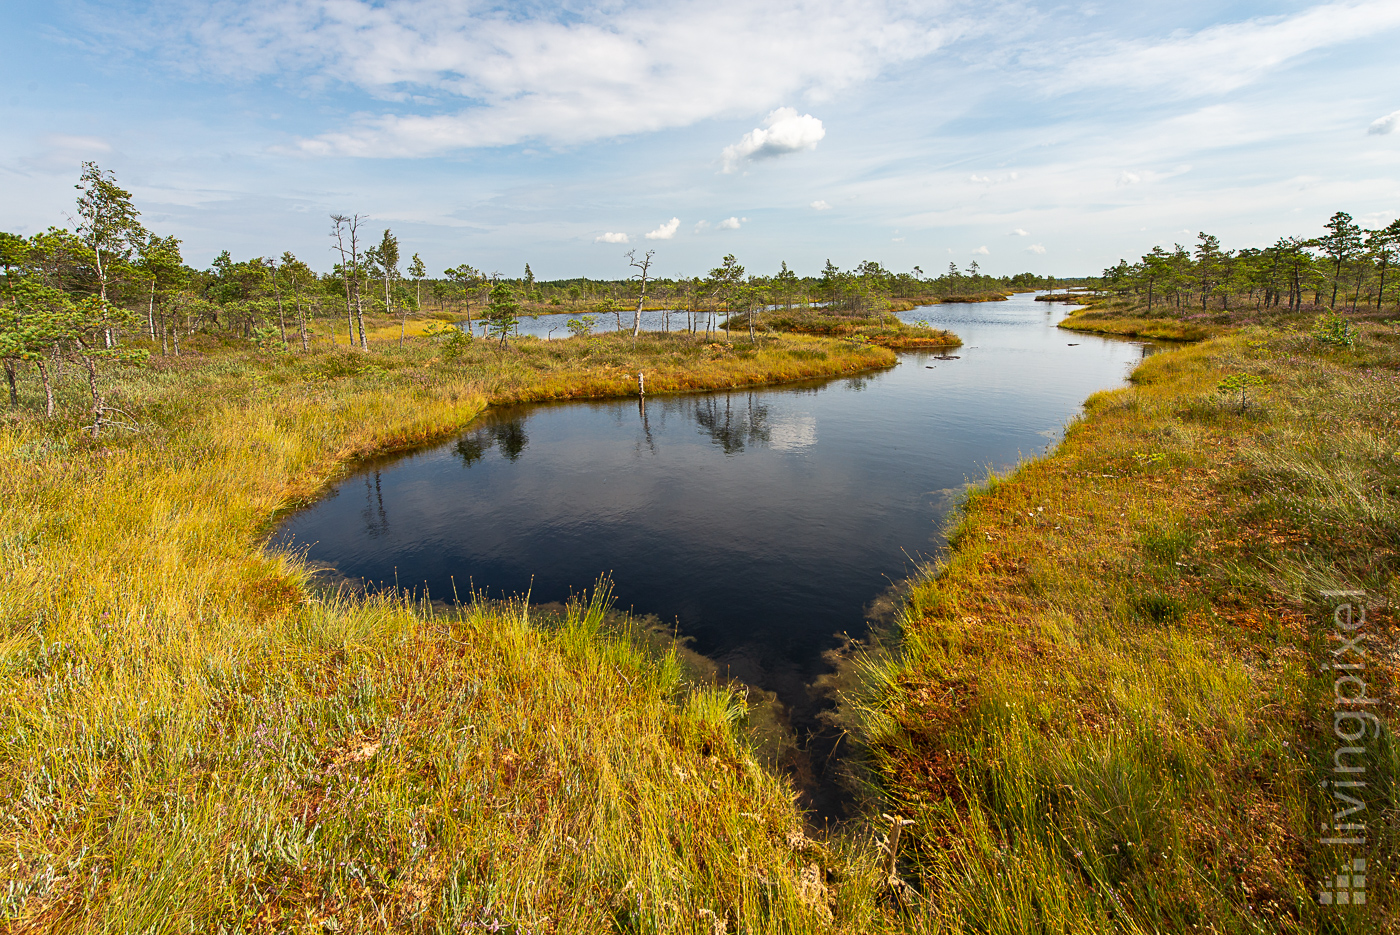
(111,291)
(110,282)
(1345,262)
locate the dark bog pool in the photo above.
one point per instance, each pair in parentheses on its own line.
(760,522)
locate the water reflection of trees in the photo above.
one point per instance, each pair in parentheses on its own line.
(508,436)
(733,426)
(375,518)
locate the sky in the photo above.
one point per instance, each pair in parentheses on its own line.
(1023,136)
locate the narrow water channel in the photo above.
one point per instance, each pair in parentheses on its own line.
(759,522)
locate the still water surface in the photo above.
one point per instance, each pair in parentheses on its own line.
(761,522)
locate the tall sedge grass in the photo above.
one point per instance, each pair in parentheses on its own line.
(192,740)
(1102,712)
(1106,710)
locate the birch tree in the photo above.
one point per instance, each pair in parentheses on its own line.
(107,223)
(643,266)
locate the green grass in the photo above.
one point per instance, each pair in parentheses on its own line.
(1104,711)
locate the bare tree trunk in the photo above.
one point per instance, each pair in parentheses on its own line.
(10,376)
(48,387)
(164,334)
(281,316)
(360,317)
(643,265)
(151,310)
(301,326)
(349,266)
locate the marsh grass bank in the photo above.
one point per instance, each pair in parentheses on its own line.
(884,329)
(1111,707)
(194,740)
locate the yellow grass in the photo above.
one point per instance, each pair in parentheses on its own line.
(194,740)
(1104,712)
(1095,321)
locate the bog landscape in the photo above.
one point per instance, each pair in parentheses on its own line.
(702,467)
(1104,702)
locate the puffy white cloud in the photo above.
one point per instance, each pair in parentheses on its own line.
(612,237)
(783,132)
(703,225)
(1384,125)
(1018,232)
(731,224)
(1035,248)
(982,251)
(979,178)
(821,205)
(665,231)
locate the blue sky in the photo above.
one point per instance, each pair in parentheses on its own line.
(1024,136)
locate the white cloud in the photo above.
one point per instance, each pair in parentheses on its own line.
(731,224)
(1129,178)
(821,206)
(783,132)
(611,237)
(1384,125)
(981,251)
(701,226)
(78,144)
(1035,248)
(979,178)
(500,76)
(1018,232)
(665,231)
(1227,56)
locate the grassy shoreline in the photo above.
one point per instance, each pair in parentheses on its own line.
(1104,710)
(884,330)
(195,740)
